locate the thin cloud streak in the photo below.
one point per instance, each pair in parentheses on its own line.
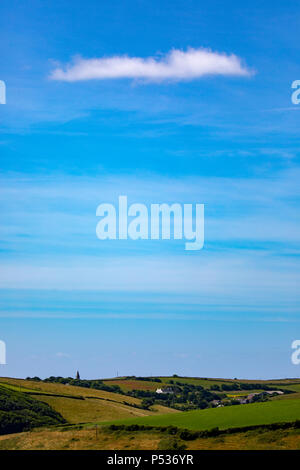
(176,65)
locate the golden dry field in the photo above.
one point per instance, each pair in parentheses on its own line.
(102,439)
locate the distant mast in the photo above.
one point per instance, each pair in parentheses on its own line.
(77,375)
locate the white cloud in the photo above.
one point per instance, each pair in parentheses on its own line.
(61,354)
(176,65)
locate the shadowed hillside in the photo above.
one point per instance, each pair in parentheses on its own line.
(19,412)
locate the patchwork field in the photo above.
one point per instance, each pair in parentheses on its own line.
(88,413)
(128,385)
(59,389)
(78,404)
(134,384)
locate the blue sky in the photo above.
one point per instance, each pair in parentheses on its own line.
(184,102)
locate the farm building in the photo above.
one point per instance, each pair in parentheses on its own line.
(169,389)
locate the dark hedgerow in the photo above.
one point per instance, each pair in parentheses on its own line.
(189,435)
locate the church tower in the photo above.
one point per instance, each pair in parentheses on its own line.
(77,375)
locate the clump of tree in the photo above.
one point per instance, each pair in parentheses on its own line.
(238,386)
(20,412)
(184,397)
(144,379)
(147,403)
(260,397)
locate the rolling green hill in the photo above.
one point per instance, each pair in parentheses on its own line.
(87,405)
(227,417)
(135,383)
(79,404)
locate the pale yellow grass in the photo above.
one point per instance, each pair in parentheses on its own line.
(92,410)
(85,439)
(68,390)
(92,439)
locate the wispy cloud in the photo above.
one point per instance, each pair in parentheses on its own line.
(63,355)
(177,65)
(251,254)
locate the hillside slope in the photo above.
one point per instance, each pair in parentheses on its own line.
(227,417)
(79,405)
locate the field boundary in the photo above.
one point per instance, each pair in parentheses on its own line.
(46,394)
(187,434)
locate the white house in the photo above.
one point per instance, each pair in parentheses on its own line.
(167,390)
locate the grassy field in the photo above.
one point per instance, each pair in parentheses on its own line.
(227,417)
(17,388)
(205,383)
(293,386)
(93,410)
(88,439)
(128,385)
(132,384)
